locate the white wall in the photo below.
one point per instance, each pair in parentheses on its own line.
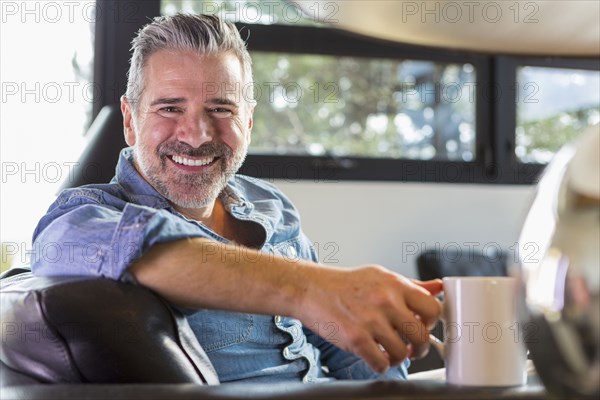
(388,223)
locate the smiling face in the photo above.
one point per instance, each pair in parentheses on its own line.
(191,131)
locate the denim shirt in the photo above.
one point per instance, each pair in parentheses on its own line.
(100,229)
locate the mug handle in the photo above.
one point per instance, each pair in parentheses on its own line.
(438,345)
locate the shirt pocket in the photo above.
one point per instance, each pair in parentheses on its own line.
(219,329)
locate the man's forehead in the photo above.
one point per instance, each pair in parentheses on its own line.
(219,74)
(214,92)
(213,96)
(181,63)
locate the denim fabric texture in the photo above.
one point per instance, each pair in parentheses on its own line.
(99,230)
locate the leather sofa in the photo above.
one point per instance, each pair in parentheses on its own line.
(79,330)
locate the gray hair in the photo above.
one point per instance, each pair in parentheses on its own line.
(205,34)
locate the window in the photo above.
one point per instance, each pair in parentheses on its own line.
(556,105)
(47,97)
(547,103)
(363,107)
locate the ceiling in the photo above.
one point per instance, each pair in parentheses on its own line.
(553,27)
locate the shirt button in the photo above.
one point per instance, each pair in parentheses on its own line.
(286,353)
(291,252)
(278,319)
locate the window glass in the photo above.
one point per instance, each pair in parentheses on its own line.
(348,106)
(47,93)
(554,105)
(266,12)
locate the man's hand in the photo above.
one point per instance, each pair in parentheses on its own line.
(382,317)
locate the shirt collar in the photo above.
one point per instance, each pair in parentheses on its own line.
(138,189)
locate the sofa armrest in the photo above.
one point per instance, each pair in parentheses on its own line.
(95,330)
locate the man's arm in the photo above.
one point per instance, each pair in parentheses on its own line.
(382,317)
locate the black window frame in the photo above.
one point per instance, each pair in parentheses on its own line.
(506,79)
(495,122)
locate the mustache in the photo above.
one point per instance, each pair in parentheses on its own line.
(184,149)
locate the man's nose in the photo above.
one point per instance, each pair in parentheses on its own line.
(196,131)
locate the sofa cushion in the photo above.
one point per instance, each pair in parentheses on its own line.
(79,329)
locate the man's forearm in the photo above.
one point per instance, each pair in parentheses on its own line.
(202,273)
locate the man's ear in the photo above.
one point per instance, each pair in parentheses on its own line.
(128,129)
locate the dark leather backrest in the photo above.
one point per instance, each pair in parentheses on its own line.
(98,160)
(78,329)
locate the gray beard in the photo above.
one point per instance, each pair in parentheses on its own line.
(192,191)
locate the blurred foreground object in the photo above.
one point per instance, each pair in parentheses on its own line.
(541,27)
(559,256)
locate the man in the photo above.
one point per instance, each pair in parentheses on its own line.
(226,248)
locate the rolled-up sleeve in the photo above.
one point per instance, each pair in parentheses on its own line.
(91,238)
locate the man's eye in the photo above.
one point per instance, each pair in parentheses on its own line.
(221,112)
(170,109)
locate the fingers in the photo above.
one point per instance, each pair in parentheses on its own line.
(434,287)
(402,328)
(393,342)
(414,332)
(400,333)
(364,345)
(413,319)
(380,340)
(422,302)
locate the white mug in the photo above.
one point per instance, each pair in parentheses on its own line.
(483,345)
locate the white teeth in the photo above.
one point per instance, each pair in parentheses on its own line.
(193,163)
